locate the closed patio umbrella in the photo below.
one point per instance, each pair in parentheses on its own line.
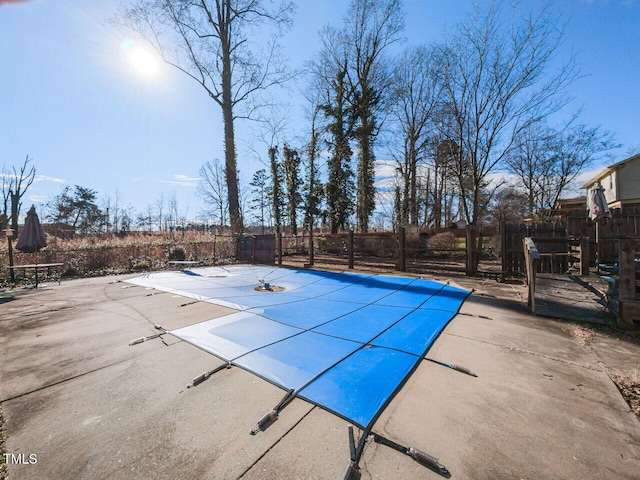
(599,210)
(32,237)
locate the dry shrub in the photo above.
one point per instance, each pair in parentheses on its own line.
(443,241)
(121,253)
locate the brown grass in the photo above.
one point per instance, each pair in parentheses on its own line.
(85,256)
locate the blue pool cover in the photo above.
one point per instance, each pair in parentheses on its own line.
(344,341)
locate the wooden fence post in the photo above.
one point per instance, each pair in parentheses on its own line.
(253,248)
(503,246)
(627,269)
(472,252)
(469,249)
(402,259)
(350,249)
(311,246)
(532,259)
(280,248)
(10,246)
(584,256)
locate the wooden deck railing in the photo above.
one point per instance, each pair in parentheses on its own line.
(532,260)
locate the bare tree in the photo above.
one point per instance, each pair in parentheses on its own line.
(444,182)
(577,148)
(547,160)
(5,214)
(212,188)
(416,88)
(260,196)
(334,97)
(313,188)
(509,204)
(276,193)
(159,216)
(273,130)
(292,181)
(127,216)
(632,150)
(371,27)
(173,217)
(209,41)
(14,187)
(498,78)
(145,218)
(112,206)
(531,160)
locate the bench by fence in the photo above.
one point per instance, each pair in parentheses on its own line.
(35,267)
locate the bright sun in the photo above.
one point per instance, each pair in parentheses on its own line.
(144,61)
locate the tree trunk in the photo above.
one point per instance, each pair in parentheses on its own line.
(365,203)
(276,189)
(231,170)
(413,201)
(15,208)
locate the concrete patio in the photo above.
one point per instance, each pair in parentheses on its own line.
(87,405)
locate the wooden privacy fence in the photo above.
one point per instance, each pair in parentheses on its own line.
(629,282)
(624,223)
(347,247)
(256,248)
(396,250)
(558,252)
(550,239)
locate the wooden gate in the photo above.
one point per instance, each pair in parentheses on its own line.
(256,248)
(550,238)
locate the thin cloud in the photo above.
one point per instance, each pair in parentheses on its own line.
(45,178)
(182,181)
(37,198)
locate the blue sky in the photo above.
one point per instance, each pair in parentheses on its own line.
(71,98)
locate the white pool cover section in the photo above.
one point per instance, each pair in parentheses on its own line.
(346,342)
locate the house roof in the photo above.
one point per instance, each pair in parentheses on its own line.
(607,170)
(569,202)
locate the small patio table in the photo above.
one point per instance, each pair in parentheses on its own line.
(36,267)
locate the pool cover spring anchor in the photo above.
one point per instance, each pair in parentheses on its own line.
(422,458)
(271,416)
(474,315)
(204,376)
(353,470)
(149,337)
(453,366)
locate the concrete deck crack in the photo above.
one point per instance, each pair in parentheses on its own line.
(529,352)
(4,400)
(275,443)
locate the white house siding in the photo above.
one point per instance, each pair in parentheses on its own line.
(621,183)
(629,179)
